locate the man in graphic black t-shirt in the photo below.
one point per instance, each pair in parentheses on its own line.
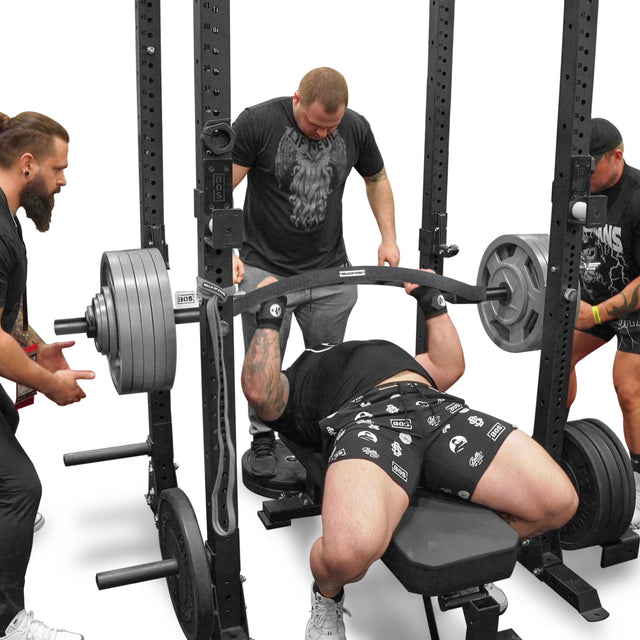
(610,283)
(33,158)
(297,153)
(384,423)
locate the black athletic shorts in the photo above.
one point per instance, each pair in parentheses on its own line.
(417,435)
(627,329)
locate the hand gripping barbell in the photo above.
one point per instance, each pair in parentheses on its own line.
(132,318)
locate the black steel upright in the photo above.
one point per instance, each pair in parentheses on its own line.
(148,65)
(433,233)
(212,204)
(571,183)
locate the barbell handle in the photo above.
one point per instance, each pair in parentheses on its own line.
(137,573)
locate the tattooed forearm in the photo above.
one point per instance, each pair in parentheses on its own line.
(265,387)
(629,305)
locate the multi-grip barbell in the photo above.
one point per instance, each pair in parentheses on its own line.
(132,319)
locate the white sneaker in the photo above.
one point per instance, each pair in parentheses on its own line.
(24,627)
(38,523)
(498,595)
(635,521)
(326,621)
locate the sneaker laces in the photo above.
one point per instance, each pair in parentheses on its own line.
(37,630)
(328,616)
(263,448)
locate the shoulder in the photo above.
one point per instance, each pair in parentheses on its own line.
(355,120)
(265,110)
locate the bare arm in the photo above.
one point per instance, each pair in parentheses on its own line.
(627,301)
(60,386)
(239,172)
(380,198)
(444,359)
(265,386)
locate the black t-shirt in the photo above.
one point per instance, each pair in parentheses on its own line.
(611,253)
(13,265)
(293,203)
(324,378)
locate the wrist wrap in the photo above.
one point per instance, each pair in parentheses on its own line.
(271,313)
(430,300)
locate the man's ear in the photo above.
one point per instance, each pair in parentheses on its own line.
(27,163)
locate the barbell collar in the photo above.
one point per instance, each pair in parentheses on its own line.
(137,573)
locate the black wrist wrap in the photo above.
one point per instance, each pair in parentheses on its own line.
(271,313)
(430,300)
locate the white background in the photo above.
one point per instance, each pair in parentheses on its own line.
(75,61)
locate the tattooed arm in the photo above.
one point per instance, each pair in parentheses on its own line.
(623,303)
(265,386)
(380,199)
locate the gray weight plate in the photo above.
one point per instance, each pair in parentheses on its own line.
(519,264)
(121,353)
(149,337)
(135,326)
(157,319)
(110,324)
(163,318)
(169,318)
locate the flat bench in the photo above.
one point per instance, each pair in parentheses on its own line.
(443,546)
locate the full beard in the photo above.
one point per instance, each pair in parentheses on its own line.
(37,203)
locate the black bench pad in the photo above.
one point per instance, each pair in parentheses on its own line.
(444,544)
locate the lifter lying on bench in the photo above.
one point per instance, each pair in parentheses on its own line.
(383,422)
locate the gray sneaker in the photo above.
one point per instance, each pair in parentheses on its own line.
(326,621)
(635,521)
(38,523)
(24,627)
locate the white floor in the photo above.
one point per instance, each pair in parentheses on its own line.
(75,60)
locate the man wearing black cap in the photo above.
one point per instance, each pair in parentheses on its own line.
(610,283)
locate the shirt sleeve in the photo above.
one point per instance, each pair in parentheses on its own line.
(5,269)
(370,160)
(244,146)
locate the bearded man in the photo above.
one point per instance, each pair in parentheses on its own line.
(297,153)
(33,158)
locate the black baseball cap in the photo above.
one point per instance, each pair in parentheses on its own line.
(604,137)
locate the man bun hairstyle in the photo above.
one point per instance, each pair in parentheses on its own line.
(28,132)
(325,85)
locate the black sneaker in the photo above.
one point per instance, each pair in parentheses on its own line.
(262,459)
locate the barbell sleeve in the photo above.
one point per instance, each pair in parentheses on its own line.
(69,326)
(137,573)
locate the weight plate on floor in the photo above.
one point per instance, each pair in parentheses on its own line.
(121,352)
(583,464)
(191,590)
(613,506)
(518,264)
(628,485)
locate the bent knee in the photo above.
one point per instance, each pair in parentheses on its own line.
(349,561)
(554,509)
